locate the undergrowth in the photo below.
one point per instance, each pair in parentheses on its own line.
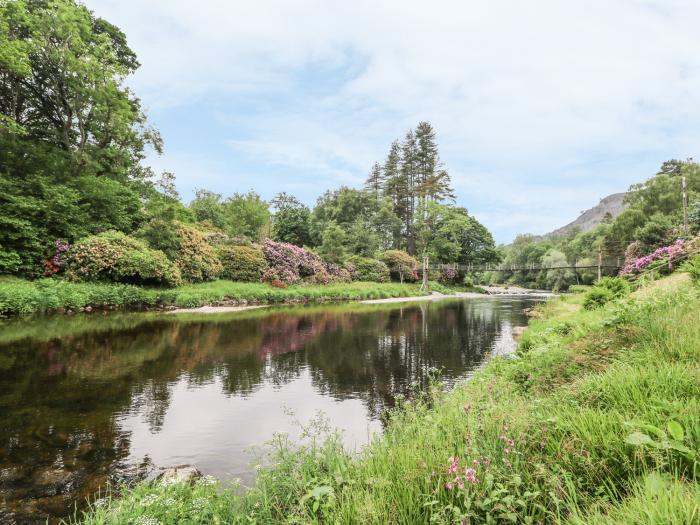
(22,297)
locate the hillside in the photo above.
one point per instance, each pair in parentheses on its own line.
(590,218)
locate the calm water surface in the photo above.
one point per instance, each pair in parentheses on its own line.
(89,400)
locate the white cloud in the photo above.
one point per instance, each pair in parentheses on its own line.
(533,94)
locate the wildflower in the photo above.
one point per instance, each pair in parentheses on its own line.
(207,480)
(467,408)
(503,437)
(199,504)
(147,520)
(476,462)
(506,450)
(454,465)
(149,499)
(511,443)
(449,485)
(469,472)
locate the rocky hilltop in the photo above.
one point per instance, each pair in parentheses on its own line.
(589,219)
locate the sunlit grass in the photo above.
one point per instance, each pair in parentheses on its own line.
(22,297)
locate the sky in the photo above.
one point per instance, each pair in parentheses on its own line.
(541,108)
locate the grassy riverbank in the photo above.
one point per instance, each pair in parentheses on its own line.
(22,297)
(595,423)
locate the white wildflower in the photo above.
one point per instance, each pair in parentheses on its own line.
(147,520)
(149,499)
(199,504)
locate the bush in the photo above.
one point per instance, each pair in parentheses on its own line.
(195,257)
(448,276)
(113,256)
(597,297)
(242,263)
(618,287)
(290,264)
(692,267)
(402,266)
(337,273)
(366,269)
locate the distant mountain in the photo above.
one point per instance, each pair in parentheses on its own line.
(589,219)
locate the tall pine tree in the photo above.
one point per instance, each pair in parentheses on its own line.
(375,182)
(395,188)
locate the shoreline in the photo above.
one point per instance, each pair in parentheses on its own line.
(209,309)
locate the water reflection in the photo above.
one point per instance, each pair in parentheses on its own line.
(109,397)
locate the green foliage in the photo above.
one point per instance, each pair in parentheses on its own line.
(617,286)
(402,266)
(448,234)
(69,164)
(694,217)
(195,257)
(20,297)
(366,269)
(292,221)
(242,263)
(332,247)
(656,231)
(247,215)
(113,256)
(692,267)
(605,290)
(597,297)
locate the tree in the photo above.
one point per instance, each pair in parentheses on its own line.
(247,215)
(375,182)
(291,222)
(72,136)
(332,247)
(395,188)
(207,206)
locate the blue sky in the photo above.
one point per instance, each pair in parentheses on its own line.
(541,108)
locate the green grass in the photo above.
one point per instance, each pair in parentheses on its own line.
(22,297)
(596,422)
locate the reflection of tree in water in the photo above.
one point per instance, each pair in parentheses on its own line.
(397,348)
(60,399)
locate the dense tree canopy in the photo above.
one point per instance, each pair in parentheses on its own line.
(72,136)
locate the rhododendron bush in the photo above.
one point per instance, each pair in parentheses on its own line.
(291,264)
(113,256)
(669,253)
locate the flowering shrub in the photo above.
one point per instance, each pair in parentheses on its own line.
(242,263)
(56,263)
(403,267)
(366,269)
(195,257)
(633,251)
(448,275)
(290,264)
(337,273)
(671,252)
(113,256)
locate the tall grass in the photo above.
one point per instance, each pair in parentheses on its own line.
(22,297)
(595,422)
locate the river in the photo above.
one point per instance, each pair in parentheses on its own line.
(89,400)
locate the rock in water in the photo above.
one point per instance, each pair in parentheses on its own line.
(181,474)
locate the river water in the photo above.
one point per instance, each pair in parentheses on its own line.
(103,398)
